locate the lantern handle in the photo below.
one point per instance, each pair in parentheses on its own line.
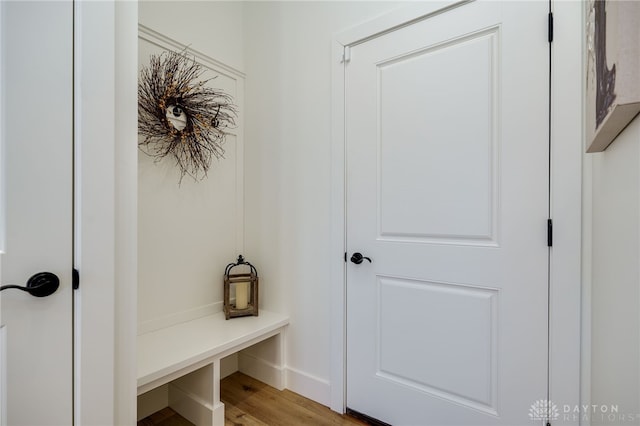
(240,261)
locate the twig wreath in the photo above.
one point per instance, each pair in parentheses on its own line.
(179,115)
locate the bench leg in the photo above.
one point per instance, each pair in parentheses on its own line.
(218,405)
(196,396)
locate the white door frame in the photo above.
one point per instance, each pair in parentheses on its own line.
(106,131)
(105,38)
(566,196)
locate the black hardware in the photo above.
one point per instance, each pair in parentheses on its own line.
(240,261)
(550,27)
(42,284)
(358,258)
(549,233)
(75,280)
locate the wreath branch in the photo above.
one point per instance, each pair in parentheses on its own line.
(171,85)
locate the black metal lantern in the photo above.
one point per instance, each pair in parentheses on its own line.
(242,289)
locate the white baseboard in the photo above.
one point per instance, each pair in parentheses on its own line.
(152,401)
(308,386)
(297,381)
(178,317)
(191,407)
(265,371)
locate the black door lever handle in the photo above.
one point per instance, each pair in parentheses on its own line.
(42,284)
(358,258)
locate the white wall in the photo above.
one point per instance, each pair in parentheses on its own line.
(288,165)
(215,28)
(188,232)
(615,276)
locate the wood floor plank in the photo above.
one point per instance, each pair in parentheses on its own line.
(271,411)
(276,407)
(249,402)
(233,416)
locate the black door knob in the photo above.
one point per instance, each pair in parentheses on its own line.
(42,284)
(358,258)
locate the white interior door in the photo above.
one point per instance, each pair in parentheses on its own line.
(37,146)
(447,194)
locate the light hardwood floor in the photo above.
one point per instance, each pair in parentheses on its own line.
(249,402)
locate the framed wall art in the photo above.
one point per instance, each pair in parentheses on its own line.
(613,70)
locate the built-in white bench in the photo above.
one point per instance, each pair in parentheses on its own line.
(170,354)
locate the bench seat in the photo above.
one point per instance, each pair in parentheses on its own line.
(170,353)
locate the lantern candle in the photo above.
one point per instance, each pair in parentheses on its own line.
(242,295)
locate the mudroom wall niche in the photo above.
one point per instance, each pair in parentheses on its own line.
(189,229)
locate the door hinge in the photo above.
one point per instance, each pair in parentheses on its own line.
(346,55)
(549,233)
(75,279)
(550,27)
(345,257)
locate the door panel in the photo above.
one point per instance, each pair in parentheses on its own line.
(464,351)
(447,193)
(37,141)
(424,147)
